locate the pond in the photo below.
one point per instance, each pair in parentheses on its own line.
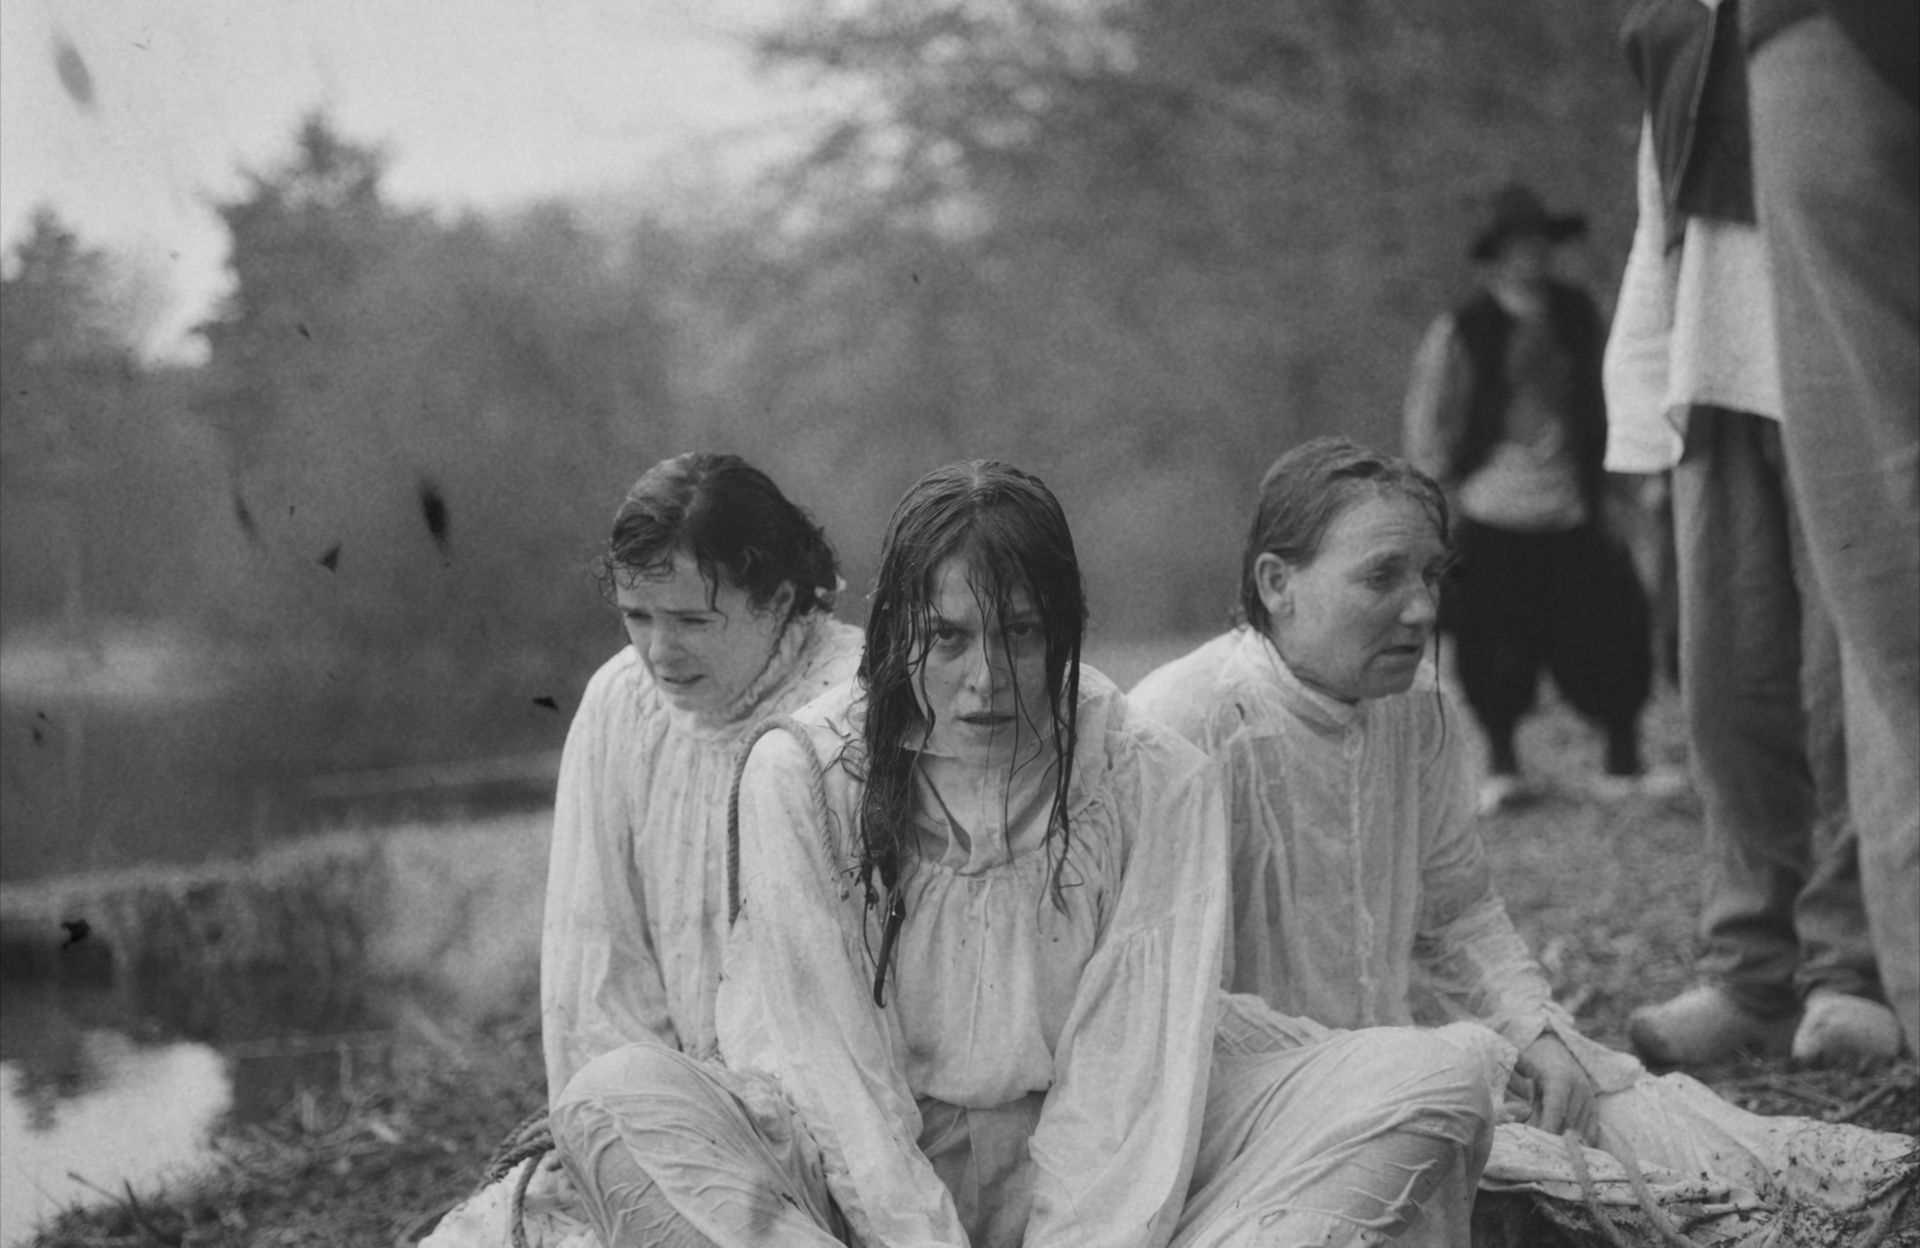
(130,1114)
(101,1088)
(153,752)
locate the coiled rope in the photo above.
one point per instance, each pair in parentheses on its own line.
(530,1140)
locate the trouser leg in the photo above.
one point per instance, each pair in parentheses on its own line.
(672,1152)
(1837,171)
(1366,1137)
(1747,711)
(1497,635)
(1830,913)
(1600,650)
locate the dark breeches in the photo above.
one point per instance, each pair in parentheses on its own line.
(1569,603)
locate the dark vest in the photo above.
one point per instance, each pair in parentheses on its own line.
(1484,327)
(1693,76)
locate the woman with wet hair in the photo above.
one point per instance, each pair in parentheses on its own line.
(971,995)
(725,590)
(1362,895)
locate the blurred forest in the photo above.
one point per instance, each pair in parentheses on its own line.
(1137,247)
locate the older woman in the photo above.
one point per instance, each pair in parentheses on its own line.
(971,994)
(725,589)
(1362,895)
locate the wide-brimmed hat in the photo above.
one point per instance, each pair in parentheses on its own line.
(1515,210)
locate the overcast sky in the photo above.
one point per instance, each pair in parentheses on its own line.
(482,103)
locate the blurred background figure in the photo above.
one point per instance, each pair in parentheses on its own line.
(1835,93)
(1505,410)
(1693,385)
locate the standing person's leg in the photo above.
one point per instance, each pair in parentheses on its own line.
(1846,1020)
(1497,649)
(1740,660)
(1837,170)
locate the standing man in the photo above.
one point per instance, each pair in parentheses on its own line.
(1835,92)
(1693,386)
(1505,410)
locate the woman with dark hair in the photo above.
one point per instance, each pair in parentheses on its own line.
(972,995)
(725,589)
(1361,890)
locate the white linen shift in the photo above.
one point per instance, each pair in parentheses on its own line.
(1362,897)
(1107,1007)
(636,913)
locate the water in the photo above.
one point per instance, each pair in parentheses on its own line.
(134,1114)
(151,748)
(103,1086)
(162,749)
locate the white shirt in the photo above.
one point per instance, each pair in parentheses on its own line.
(1693,326)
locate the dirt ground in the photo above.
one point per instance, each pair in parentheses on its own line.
(1605,894)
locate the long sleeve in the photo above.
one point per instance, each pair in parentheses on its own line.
(1438,391)
(1473,963)
(795,1004)
(1642,435)
(1118,1134)
(600,981)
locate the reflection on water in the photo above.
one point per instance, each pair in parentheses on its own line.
(120,1084)
(113,1112)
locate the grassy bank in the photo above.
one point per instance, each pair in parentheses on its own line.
(1605,894)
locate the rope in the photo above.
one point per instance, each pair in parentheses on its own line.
(526,1145)
(1576,1155)
(816,789)
(518,1219)
(527,1138)
(1655,1214)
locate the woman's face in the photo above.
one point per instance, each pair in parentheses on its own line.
(1354,622)
(983,683)
(702,657)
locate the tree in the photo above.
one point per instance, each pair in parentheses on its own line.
(63,374)
(56,337)
(429,423)
(1145,246)
(302,237)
